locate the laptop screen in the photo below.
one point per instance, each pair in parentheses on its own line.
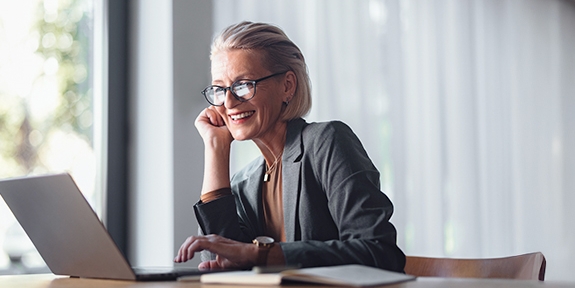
(64,228)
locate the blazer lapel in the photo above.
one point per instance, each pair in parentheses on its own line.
(254,213)
(291,177)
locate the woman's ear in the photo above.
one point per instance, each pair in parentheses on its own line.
(290,85)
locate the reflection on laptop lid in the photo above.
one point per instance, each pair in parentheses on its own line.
(67,232)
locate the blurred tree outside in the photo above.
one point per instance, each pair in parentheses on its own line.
(46,115)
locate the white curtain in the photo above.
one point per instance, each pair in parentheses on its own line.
(466,107)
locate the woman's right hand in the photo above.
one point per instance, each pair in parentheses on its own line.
(217,141)
(212,127)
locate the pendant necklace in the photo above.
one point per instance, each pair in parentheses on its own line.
(271,168)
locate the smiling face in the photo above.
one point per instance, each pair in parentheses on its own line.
(258,118)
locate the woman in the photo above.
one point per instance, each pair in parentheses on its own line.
(315,193)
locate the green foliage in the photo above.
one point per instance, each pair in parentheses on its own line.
(65,37)
(63,34)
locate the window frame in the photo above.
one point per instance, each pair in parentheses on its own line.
(116,122)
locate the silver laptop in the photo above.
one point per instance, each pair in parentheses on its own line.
(68,234)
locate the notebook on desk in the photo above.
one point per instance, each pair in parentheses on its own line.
(68,234)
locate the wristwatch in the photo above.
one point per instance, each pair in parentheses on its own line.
(264,244)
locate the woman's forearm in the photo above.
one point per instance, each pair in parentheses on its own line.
(216,167)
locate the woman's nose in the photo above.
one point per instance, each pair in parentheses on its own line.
(231,101)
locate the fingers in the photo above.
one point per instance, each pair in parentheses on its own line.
(210,116)
(212,126)
(209,265)
(214,117)
(230,253)
(185,252)
(192,245)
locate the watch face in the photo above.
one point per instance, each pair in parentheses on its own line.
(265,240)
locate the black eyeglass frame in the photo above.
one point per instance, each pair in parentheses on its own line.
(243,81)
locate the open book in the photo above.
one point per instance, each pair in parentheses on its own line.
(348,275)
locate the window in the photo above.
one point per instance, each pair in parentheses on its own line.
(47,114)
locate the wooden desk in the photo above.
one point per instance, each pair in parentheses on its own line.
(52,281)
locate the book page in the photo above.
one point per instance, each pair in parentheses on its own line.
(354,275)
(349,275)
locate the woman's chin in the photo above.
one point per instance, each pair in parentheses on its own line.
(240,137)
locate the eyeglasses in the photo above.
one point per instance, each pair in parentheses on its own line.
(243,90)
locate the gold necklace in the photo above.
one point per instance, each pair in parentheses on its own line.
(271,168)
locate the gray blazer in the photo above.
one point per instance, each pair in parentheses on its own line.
(334,210)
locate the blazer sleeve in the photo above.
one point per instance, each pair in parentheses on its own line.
(222,217)
(235,216)
(335,165)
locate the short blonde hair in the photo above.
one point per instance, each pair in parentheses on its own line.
(279,54)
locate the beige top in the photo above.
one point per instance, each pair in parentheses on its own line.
(273,205)
(272,211)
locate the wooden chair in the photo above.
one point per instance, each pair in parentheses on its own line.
(527,266)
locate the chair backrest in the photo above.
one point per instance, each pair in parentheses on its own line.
(527,266)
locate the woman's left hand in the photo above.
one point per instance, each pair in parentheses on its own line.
(230,254)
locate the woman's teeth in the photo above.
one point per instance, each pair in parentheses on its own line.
(241,115)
